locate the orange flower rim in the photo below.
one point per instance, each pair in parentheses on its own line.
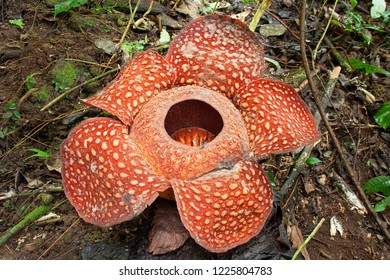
(196,122)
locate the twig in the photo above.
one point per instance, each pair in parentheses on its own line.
(124,34)
(259,12)
(24,194)
(323,34)
(336,55)
(131,20)
(55,242)
(282,23)
(349,194)
(86,62)
(333,136)
(299,165)
(308,239)
(34,131)
(149,9)
(27,220)
(62,95)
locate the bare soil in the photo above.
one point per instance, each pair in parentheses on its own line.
(45,41)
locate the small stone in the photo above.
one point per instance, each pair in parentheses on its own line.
(273,29)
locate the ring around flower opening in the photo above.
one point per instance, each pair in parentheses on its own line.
(190,130)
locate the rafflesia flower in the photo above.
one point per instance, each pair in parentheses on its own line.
(195,121)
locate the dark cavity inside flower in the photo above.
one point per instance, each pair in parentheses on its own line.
(193,122)
(199,118)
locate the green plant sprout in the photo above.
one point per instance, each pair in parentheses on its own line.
(18,22)
(382,116)
(313,160)
(30,82)
(10,116)
(367,68)
(68,5)
(354,22)
(38,153)
(262,6)
(131,47)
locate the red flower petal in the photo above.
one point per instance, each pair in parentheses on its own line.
(105,176)
(225,208)
(276,117)
(218,52)
(138,81)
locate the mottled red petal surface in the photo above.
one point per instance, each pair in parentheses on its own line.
(187,107)
(225,208)
(276,117)
(218,52)
(105,176)
(138,81)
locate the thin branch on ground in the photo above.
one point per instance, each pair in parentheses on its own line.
(62,95)
(36,129)
(60,237)
(323,34)
(349,194)
(27,220)
(303,245)
(282,23)
(333,136)
(259,12)
(124,34)
(337,56)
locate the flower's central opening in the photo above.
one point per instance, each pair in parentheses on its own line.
(193,122)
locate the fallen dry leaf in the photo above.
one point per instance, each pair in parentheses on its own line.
(296,238)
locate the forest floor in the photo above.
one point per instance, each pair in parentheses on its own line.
(50,54)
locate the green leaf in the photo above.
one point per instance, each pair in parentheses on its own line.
(38,153)
(353,3)
(382,205)
(378,184)
(30,82)
(271,178)
(3,132)
(11,106)
(7,115)
(131,47)
(18,22)
(382,116)
(313,160)
(378,8)
(68,5)
(367,68)
(16,116)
